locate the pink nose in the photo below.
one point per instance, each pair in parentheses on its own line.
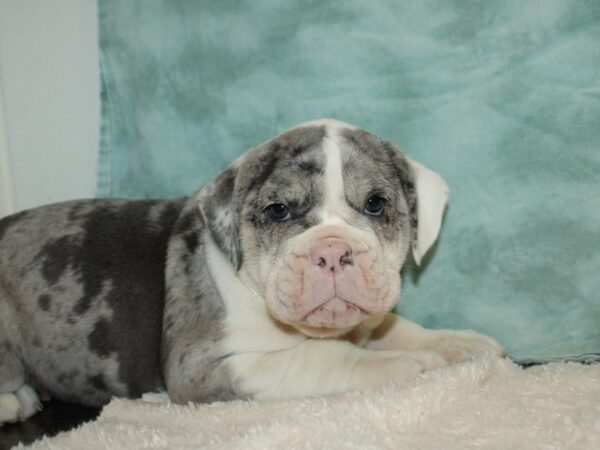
(331,254)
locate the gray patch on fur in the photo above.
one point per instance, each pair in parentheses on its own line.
(194,365)
(11,371)
(288,168)
(44,301)
(372,166)
(6,222)
(216,203)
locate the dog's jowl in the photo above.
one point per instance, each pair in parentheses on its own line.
(275,280)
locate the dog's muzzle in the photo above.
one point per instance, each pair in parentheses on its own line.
(335,283)
(332,281)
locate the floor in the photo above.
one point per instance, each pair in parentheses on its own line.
(55,417)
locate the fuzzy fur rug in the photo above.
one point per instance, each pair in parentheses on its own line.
(483,403)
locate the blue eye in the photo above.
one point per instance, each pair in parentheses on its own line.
(374,205)
(278,212)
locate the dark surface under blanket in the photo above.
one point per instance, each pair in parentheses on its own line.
(58,416)
(54,418)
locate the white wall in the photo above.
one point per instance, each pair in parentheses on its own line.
(6,197)
(49,80)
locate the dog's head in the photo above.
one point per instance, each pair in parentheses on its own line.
(321,219)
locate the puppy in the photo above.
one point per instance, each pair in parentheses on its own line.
(275,280)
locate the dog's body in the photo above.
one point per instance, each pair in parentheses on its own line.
(275,280)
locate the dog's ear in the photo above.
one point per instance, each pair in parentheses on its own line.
(427,212)
(216,201)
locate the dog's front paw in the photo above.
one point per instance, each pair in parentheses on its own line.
(426,359)
(397,365)
(19,405)
(456,346)
(10,408)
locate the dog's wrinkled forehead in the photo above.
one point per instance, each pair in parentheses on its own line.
(324,167)
(288,168)
(301,154)
(373,165)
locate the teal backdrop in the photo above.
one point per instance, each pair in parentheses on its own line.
(501,98)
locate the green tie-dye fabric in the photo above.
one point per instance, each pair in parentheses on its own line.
(501,98)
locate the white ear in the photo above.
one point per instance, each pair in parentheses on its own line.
(432,196)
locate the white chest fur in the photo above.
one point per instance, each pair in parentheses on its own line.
(248,325)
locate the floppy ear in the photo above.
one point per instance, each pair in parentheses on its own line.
(216,201)
(432,196)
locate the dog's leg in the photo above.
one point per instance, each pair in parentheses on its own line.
(19,405)
(395,332)
(18,401)
(318,367)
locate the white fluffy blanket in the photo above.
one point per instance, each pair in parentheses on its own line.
(484,403)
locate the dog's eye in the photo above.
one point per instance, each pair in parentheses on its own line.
(374,205)
(278,212)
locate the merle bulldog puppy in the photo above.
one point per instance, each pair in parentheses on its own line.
(275,280)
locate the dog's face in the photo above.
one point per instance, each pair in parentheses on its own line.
(320,219)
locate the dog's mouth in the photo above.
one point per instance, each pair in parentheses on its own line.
(335,313)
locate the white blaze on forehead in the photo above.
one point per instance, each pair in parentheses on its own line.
(334,207)
(334,198)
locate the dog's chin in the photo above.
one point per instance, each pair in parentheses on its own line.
(321,332)
(333,318)
(368,321)
(334,313)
